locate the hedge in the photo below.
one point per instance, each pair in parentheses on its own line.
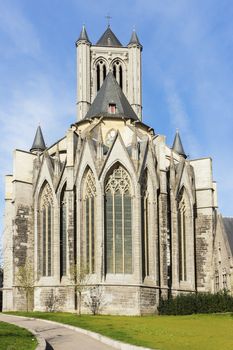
(196,303)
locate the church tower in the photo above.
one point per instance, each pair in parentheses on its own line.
(95,61)
(110,198)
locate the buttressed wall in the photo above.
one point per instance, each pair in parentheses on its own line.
(110,198)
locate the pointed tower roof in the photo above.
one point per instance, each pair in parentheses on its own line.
(38,143)
(83,35)
(177,145)
(108,39)
(111,95)
(134,39)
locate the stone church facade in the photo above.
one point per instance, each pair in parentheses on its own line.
(113,197)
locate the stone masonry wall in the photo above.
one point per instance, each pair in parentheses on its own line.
(203,251)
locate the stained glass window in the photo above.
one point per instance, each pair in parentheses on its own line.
(145,234)
(182,222)
(46,229)
(63,232)
(118,222)
(89,210)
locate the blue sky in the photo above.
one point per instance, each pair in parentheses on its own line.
(187,73)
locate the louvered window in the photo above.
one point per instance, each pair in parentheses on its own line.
(101,73)
(118,223)
(118,73)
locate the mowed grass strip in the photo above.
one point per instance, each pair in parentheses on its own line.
(16,338)
(193,332)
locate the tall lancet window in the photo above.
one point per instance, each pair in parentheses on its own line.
(118,222)
(101,73)
(63,232)
(118,72)
(89,216)
(182,237)
(46,230)
(145,219)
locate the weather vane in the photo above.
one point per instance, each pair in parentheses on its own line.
(108,17)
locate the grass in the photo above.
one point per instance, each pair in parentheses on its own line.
(16,338)
(193,332)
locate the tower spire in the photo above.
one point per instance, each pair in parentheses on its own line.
(83,35)
(134,39)
(38,143)
(177,145)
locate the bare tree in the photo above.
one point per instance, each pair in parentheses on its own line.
(95,300)
(79,277)
(25,281)
(52,302)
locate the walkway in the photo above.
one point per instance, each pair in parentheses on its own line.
(57,336)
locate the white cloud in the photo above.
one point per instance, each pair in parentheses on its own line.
(180,119)
(19,31)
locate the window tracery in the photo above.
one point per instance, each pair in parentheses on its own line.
(118,222)
(145,224)
(89,210)
(118,72)
(46,219)
(101,73)
(182,237)
(63,232)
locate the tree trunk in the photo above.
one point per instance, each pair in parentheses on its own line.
(79,303)
(27,299)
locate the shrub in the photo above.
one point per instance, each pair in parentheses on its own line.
(196,303)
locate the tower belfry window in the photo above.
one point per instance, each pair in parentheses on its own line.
(118,73)
(101,72)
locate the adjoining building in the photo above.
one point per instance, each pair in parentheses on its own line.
(113,197)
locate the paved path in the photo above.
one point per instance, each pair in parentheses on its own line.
(58,337)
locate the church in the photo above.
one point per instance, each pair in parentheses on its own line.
(112,197)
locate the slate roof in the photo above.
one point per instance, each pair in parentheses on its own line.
(108,39)
(177,145)
(38,143)
(83,35)
(134,39)
(111,93)
(228,226)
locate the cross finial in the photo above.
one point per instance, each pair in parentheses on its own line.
(108,17)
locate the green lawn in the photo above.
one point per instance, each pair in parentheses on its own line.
(16,338)
(195,332)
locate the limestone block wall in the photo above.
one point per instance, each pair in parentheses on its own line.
(204,224)
(8,246)
(222,260)
(20,219)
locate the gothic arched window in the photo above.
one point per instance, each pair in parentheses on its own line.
(182,237)
(101,73)
(118,72)
(89,216)
(46,229)
(145,218)
(63,232)
(118,222)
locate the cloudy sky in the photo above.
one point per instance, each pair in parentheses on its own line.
(187,73)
